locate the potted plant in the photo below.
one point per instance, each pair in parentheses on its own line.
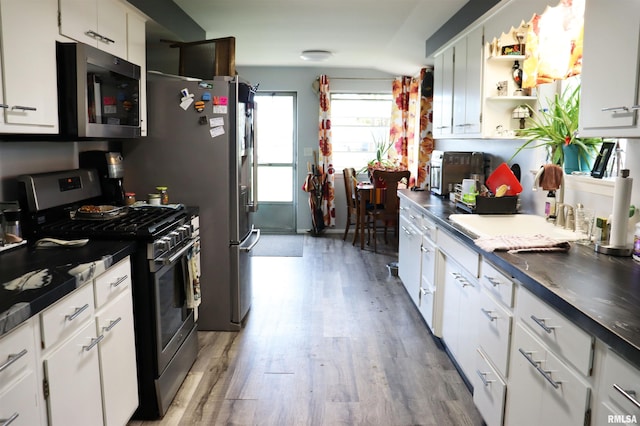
(556,129)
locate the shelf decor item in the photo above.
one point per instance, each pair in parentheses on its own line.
(521,112)
(556,128)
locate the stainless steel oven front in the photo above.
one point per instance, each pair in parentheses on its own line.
(173,318)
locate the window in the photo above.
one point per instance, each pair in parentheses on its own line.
(357,122)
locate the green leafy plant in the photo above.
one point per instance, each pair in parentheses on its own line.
(557,127)
(381,161)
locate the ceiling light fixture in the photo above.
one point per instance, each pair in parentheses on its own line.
(315,55)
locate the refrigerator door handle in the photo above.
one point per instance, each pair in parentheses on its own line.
(250,247)
(253,205)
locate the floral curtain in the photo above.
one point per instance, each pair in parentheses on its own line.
(410,130)
(325,161)
(425,135)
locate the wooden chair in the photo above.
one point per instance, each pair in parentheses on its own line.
(349,174)
(387,212)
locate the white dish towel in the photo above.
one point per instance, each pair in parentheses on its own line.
(518,243)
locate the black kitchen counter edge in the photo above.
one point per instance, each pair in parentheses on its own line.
(599,293)
(24,270)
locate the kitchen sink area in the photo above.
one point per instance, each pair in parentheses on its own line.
(521,225)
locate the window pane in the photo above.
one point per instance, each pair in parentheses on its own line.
(275,132)
(357,122)
(275,184)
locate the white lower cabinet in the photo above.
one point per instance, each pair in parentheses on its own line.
(428,300)
(489,391)
(118,360)
(494,331)
(543,390)
(410,241)
(618,393)
(459,322)
(72,373)
(20,403)
(88,354)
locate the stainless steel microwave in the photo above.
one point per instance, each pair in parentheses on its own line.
(98,93)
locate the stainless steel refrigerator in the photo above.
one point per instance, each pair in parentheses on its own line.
(201,145)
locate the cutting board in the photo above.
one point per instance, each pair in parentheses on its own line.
(504,176)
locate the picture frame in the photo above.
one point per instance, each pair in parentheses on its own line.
(600,165)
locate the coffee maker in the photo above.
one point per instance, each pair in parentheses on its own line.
(110,167)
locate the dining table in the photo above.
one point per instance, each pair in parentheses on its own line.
(367,194)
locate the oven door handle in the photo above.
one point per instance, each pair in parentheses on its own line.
(253,244)
(177,255)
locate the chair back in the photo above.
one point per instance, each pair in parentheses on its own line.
(349,174)
(391,180)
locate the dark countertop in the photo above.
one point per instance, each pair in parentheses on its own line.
(32,279)
(600,293)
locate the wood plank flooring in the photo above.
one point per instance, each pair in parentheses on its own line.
(331,339)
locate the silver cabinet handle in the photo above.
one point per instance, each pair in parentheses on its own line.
(492,280)
(536,365)
(620,108)
(7,422)
(112,324)
(424,249)
(541,323)
(425,291)
(629,394)
(106,39)
(11,359)
(119,281)
(406,231)
(24,108)
(93,343)
(98,36)
(488,313)
(483,378)
(4,106)
(635,107)
(462,280)
(77,312)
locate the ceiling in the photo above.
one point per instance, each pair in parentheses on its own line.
(386,35)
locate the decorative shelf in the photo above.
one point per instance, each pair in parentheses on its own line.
(512,98)
(508,58)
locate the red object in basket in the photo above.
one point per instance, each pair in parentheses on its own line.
(504,176)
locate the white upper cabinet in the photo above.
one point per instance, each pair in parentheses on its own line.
(443,94)
(609,98)
(99,23)
(467,84)
(29,92)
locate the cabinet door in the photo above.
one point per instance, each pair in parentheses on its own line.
(19,403)
(473,83)
(459,86)
(443,93)
(610,75)
(30,90)
(112,25)
(409,256)
(78,19)
(450,307)
(73,374)
(467,84)
(542,389)
(118,360)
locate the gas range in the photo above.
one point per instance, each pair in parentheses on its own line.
(165,268)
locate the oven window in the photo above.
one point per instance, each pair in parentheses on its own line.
(171,301)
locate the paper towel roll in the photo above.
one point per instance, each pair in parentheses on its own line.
(620,216)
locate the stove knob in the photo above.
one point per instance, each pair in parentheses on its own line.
(175,238)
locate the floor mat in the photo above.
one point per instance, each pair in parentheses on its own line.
(279,246)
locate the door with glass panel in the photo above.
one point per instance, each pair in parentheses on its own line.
(276,135)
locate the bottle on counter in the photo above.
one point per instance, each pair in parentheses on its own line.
(550,205)
(129,198)
(164,194)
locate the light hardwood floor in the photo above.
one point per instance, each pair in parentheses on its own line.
(331,339)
